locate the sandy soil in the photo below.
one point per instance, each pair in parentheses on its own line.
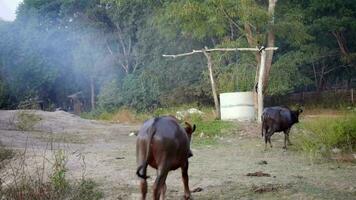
(219,170)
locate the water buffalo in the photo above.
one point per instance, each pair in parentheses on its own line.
(277,119)
(164,145)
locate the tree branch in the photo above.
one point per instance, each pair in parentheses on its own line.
(218,49)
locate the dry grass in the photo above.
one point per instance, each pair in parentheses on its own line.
(125,116)
(22,184)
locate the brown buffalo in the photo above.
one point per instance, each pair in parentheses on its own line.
(164,145)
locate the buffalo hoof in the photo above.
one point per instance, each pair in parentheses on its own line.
(285,147)
(188,197)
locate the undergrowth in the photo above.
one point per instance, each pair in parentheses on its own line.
(325,136)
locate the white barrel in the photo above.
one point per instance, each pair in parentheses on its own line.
(237,106)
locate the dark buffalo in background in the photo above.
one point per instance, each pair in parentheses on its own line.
(164,145)
(278,119)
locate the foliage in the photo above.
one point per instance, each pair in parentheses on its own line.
(56,48)
(320,136)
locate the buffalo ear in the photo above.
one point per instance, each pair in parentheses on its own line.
(194,127)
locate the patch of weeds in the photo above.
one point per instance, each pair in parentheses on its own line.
(26,120)
(87,190)
(58,177)
(25,186)
(5,154)
(323,137)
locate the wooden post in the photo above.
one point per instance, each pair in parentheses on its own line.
(260,86)
(352,95)
(213,86)
(92,93)
(261,75)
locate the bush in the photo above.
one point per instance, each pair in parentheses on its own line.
(321,136)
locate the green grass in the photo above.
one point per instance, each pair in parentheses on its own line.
(319,136)
(209,131)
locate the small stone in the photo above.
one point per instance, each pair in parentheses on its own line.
(262,162)
(198,189)
(132,134)
(336,150)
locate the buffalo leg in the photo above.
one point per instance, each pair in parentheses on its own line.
(286,138)
(268,136)
(289,143)
(269,140)
(185,178)
(266,140)
(143,186)
(159,182)
(163,192)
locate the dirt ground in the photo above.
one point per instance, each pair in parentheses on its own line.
(105,152)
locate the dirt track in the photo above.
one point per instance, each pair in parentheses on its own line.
(219,170)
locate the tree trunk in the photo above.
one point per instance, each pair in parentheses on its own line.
(341,41)
(92,93)
(260,85)
(270,43)
(252,43)
(213,86)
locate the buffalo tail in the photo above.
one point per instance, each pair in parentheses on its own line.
(143,168)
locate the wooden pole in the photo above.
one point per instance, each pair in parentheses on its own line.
(206,52)
(352,95)
(260,86)
(213,86)
(92,93)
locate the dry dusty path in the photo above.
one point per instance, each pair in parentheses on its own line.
(219,170)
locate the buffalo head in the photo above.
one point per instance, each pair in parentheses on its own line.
(189,129)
